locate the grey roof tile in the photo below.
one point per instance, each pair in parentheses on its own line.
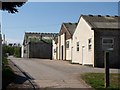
(103,22)
(71,27)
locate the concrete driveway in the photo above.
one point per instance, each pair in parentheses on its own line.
(56,73)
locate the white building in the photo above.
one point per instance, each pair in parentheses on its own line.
(64,41)
(92,35)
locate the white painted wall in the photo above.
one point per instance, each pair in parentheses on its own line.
(58,52)
(69,50)
(53,47)
(62,44)
(22,51)
(82,33)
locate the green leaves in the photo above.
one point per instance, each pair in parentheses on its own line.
(11,7)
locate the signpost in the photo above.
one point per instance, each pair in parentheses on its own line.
(107,46)
(106,60)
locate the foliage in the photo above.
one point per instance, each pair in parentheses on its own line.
(96,80)
(11,50)
(11,7)
(47,40)
(17,52)
(7,73)
(8,76)
(7,50)
(4,61)
(40,40)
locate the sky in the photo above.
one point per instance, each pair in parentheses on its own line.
(48,16)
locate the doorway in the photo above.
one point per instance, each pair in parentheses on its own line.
(62,52)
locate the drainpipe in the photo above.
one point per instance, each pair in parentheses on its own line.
(65,46)
(83,55)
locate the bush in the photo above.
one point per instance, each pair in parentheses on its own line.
(17,52)
(7,49)
(11,50)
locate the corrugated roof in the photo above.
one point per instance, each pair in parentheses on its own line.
(105,22)
(71,27)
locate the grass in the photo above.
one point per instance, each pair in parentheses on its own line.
(5,61)
(96,80)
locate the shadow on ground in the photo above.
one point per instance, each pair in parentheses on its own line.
(9,78)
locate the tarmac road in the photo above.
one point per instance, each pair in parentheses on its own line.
(56,73)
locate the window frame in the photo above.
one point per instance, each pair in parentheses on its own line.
(78,46)
(89,43)
(54,50)
(67,44)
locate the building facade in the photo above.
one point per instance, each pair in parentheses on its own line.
(64,42)
(37,45)
(93,36)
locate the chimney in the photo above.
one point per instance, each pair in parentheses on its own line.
(116,16)
(107,15)
(70,23)
(99,15)
(91,15)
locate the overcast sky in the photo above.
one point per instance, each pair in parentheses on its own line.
(48,17)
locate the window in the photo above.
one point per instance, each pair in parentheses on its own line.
(90,44)
(67,44)
(77,46)
(107,43)
(24,51)
(54,50)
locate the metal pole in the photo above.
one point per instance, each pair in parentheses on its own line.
(106,59)
(0,61)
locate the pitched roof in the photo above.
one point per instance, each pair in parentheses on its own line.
(40,34)
(36,37)
(71,27)
(102,22)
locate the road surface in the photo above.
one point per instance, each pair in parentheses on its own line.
(55,73)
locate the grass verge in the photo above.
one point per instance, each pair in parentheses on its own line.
(96,80)
(8,75)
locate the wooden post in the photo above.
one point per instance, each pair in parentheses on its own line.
(106,60)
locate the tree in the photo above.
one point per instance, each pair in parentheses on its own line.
(11,7)
(17,52)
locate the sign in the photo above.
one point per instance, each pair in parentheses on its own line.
(107,44)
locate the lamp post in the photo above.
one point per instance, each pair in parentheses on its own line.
(0,62)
